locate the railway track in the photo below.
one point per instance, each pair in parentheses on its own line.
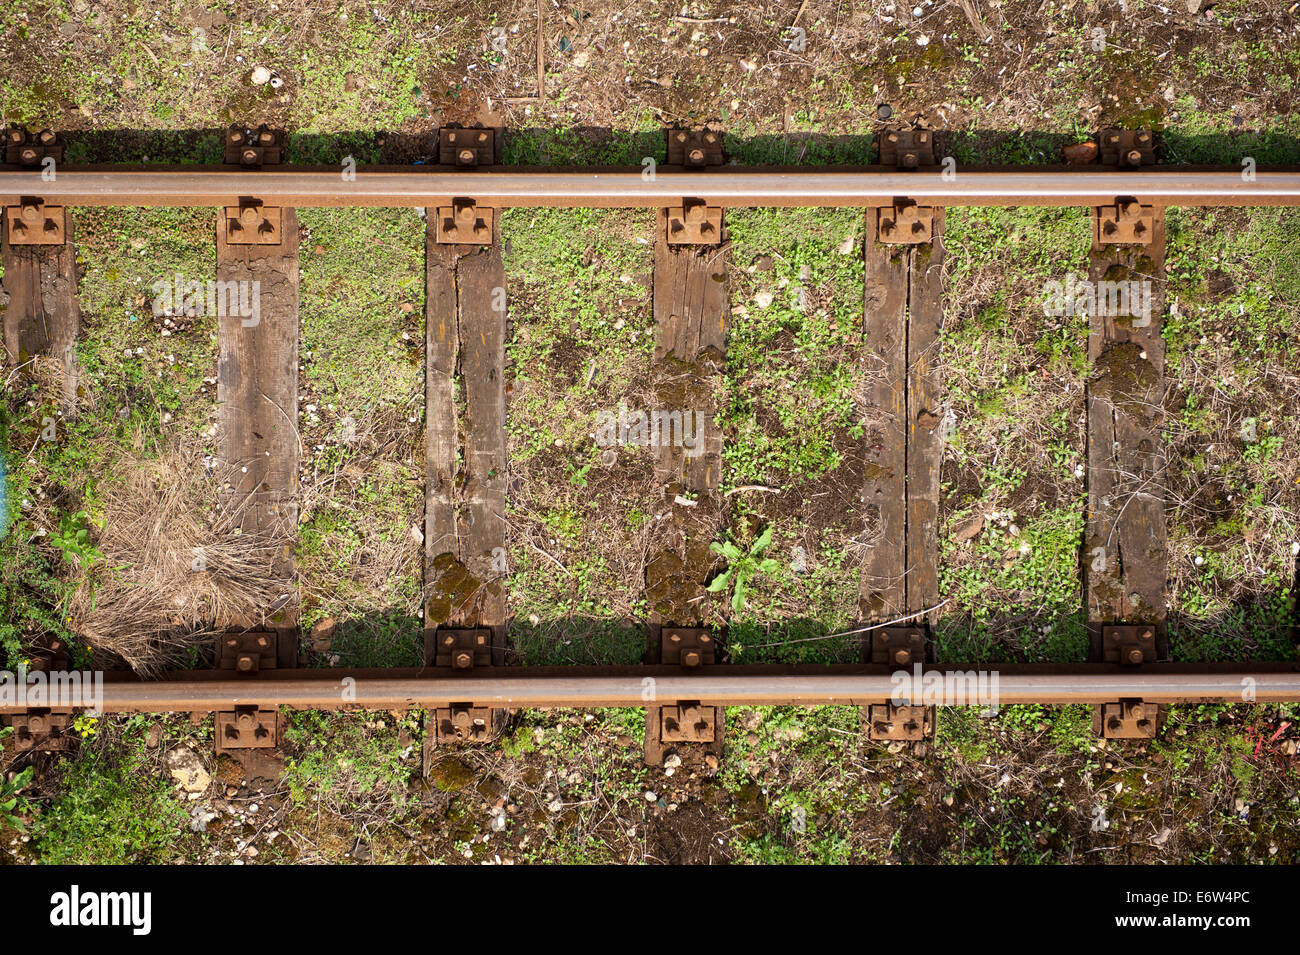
(685,683)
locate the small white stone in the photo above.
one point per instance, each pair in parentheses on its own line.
(260,75)
(651,797)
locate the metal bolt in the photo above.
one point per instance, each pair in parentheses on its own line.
(696,156)
(248,216)
(246,663)
(692,658)
(27,156)
(16,136)
(462,660)
(1135,655)
(465,157)
(245,721)
(1134,157)
(47,137)
(902,657)
(31,213)
(249,157)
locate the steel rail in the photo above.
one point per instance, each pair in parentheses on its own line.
(623,187)
(631,686)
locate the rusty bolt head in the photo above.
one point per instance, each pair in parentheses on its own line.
(31,213)
(1135,655)
(47,137)
(1137,712)
(692,658)
(245,721)
(37,724)
(266,137)
(462,660)
(1144,137)
(705,638)
(465,157)
(249,157)
(696,156)
(681,137)
(1134,156)
(1113,138)
(28,155)
(892,137)
(1147,634)
(236,135)
(249,216)
(246,663)
(16,136)
(482,137)
(902,657)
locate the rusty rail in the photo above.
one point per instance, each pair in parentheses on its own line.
(635,686)
(623,187)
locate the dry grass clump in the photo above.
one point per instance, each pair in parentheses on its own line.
(173,563)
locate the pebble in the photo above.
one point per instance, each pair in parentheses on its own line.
(260,75)
(651,797)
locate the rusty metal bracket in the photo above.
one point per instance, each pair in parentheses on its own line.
(466,723)
(254,148)
(686,726)
(251,223)
(694,222)
(1127,719)
(1127,148)
(248,652)
(1127,222)
(43,729)
(467,148)
(906,223)
(694,148)
(689,647)
(34,223)
(1127,644)
(49,654)
(460,648)
(32,149)
(907,148)
(687,723)
(907,724)
(464,222)
(248,727)
(898,646)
